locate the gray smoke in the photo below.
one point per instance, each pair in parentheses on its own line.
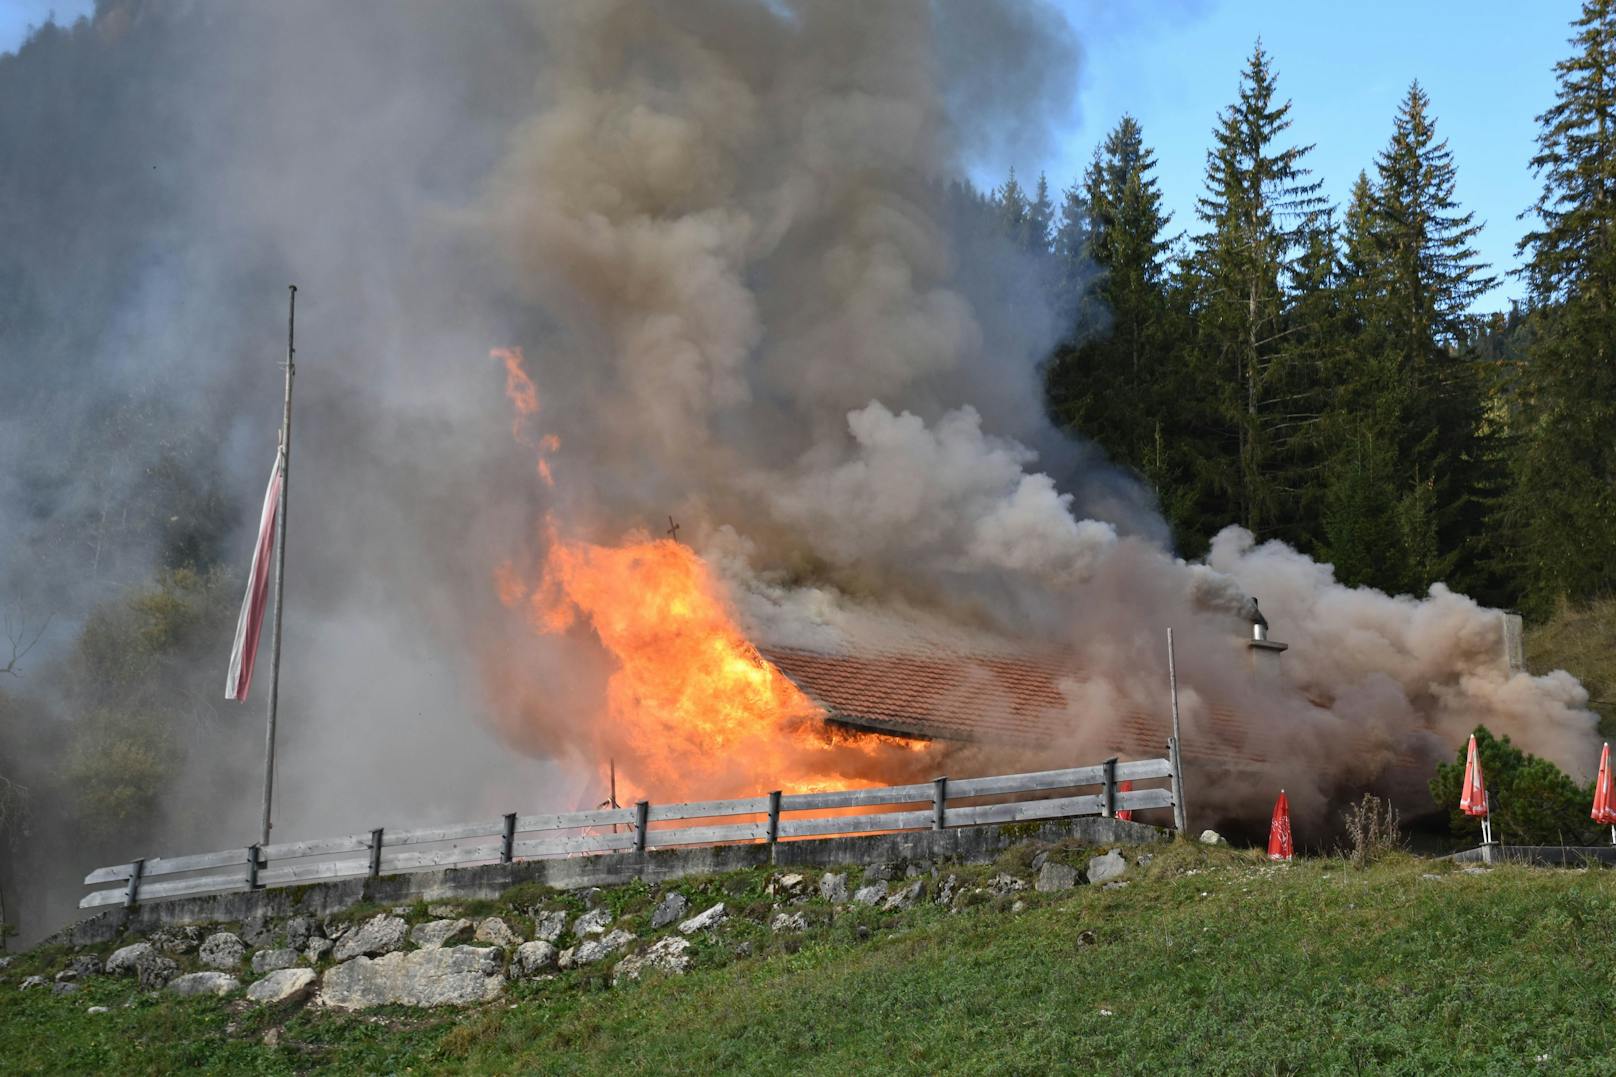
(722,234)
(766,322)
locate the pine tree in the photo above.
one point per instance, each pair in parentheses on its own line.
(1040,219)
(1075,270)
(1563,497)
(1128,241)
(1105,383)
(1434,274)
(1260,207)
(1014,209)
(1428,389)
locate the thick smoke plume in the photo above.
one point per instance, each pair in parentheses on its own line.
(766,324)
(721,234)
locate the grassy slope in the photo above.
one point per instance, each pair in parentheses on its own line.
(1582,641)
(1212,961)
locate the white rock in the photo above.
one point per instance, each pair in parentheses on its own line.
(869,895)
(446,976)
(789,921)
(788,885)
(498,932)
(591,950)
(1005,883)
(668,954)
(282,985)
(271,960)
(204,983)
(1212,837)
(708,918)
(833,887)
(532,958)
(381,934)
(1053,877)
(592,922)
(548,926)
(317,949)
(124,961)
(96,1009)
(437,933)
(672,907)
(222,951)
(1106,867)
(903,899)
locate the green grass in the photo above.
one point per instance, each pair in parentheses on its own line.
(1582,641)
(1210,961)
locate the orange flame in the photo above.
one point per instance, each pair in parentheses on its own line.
(692,710)
(524,397)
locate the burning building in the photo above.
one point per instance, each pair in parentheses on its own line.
(763,317)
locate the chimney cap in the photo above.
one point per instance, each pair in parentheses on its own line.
(1256,614)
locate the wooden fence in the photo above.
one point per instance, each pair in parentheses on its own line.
(770,818)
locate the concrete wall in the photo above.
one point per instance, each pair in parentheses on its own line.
(975,844)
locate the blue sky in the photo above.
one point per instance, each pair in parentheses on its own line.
(16,16)
(1487,65)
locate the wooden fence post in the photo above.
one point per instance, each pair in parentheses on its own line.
(376,853)
(1108,799)
(774,822)
(133,893)
(507,840)
(252,868)
(642,821)
(939,801)
(1180,816)
(1178,785)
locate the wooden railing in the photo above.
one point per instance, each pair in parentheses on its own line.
(385,852)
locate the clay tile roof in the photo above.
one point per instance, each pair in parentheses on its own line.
(1011,699)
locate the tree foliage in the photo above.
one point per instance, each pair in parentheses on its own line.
(1563,491)
(1533,801)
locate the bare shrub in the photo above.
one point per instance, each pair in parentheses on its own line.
(1372,830)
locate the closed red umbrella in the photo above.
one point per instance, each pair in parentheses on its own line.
(1279,831)
(1125,813)
(1473,797)
(1604,798)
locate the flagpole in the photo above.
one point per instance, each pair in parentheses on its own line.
(280,571)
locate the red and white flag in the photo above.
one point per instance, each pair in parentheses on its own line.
(1125,813)
(1604,798)
(1473,797)
(1279,830)
(251,621)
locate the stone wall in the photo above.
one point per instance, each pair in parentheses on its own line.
(966,844)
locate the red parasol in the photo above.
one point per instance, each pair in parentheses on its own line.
(1473,797)
(1279,831)
(1604,798)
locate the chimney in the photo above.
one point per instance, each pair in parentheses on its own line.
(1514,649)
(1259,634)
